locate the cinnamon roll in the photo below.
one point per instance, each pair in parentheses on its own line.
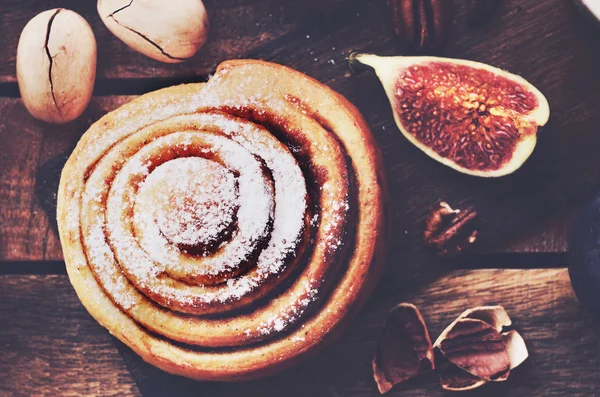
(224,230)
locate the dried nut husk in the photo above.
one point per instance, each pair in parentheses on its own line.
(452,377)
(56,65)
(474,350)
(516,348)
(476,347)
(404,350)
(168,31)
(472,117)
(496,316)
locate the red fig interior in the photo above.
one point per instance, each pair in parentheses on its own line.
(467,115)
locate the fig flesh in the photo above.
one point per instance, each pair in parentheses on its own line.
(472,117)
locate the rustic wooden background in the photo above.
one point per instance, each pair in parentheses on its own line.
(49,344)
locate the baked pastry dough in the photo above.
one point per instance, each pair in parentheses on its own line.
(224,230)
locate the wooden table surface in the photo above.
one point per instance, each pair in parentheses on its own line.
(50,346)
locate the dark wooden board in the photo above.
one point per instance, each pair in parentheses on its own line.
(53,347)
(50,346)
(27,144)
(550,234)
(547,42)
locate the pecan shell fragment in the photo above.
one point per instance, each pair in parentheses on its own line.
(452,377)
(404,350)
(474,350)
(476,347)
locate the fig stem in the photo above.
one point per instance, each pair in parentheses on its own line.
(355,64)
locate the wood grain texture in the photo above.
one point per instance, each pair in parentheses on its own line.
(549,234)
(546,183)
(27,144)
(51,346)
(236,28)
(558,333)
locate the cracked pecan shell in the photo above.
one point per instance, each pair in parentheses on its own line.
(56,65)
(168,31)
(476,349)
(404,350)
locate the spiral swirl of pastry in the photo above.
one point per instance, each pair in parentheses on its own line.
(223,230)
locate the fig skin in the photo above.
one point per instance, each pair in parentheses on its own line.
(388,69)
(584,255)
(590,10)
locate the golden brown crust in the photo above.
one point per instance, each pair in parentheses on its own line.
(298,109)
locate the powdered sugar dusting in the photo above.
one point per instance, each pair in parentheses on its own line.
(101,255)
(256,207)
(255,202)
(195,199)
(338,218)
(288,315)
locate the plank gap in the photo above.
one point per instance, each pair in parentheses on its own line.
(530,260)
(126,86)
(32,268)
(511,260)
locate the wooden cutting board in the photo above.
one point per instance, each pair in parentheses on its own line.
(547,42)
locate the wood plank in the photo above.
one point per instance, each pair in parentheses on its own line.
(50,331)
(27,232)
(27,145)
(549,234)
(549,180)
(517,39)
(51,346)
(562,339)
(237,27)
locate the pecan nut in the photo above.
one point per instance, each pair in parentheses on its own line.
(423,25)
(449,231)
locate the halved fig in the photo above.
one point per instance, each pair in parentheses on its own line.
(404,349)
(472,117)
